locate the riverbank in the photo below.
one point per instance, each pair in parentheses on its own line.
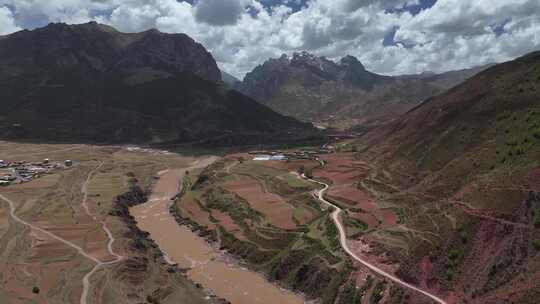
(204,263)
(143,244)
(224,256)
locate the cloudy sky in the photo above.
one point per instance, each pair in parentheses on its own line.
(388,36)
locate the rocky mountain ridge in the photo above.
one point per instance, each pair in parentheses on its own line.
(101,48)
(343,93)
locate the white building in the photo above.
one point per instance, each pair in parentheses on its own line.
(278,157)
(262,157)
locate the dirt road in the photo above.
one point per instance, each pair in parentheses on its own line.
(343,241)
(117,257)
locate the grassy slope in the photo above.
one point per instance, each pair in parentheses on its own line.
(182,108)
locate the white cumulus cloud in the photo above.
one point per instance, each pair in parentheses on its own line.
(383,34)
(7,23)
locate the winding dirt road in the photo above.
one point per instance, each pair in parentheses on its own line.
(345,246)
(118,258)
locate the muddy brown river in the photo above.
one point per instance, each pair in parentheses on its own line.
(180,245)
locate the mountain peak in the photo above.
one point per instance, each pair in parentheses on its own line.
(304,55)
(308,58)
(98,48)
(92,25)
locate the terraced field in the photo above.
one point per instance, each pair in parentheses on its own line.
(278,212)
(351,187)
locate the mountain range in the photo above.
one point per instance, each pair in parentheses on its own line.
(90,82)
(341,94)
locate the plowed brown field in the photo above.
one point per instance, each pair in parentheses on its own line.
(275,209)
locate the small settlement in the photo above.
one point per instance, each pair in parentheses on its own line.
(16,172)
(267,155)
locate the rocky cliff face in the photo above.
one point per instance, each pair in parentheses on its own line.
(340,93)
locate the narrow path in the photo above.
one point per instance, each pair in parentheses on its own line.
(479,213)
(52,235)
(343,241)
(230,166)
(483,215)
(118,258)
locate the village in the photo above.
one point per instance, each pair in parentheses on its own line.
(16,172)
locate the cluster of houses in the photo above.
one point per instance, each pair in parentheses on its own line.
(16,172)
(291,155)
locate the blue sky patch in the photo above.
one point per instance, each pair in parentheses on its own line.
(498,28)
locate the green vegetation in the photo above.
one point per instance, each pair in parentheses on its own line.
(350,294)
(521,133)
(257,170)
(332,234)
(295,182)
(536,245)
(354,227)
(536,215)
(369,283)
(35,290)
(463,234)
(454,257)
(378,291)
(236,207)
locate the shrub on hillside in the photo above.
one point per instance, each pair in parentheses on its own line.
(536,245)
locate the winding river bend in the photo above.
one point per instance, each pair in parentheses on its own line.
(180,245)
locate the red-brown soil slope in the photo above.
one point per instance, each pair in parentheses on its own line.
(464,167)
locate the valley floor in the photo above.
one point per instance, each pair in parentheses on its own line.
(114,228)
